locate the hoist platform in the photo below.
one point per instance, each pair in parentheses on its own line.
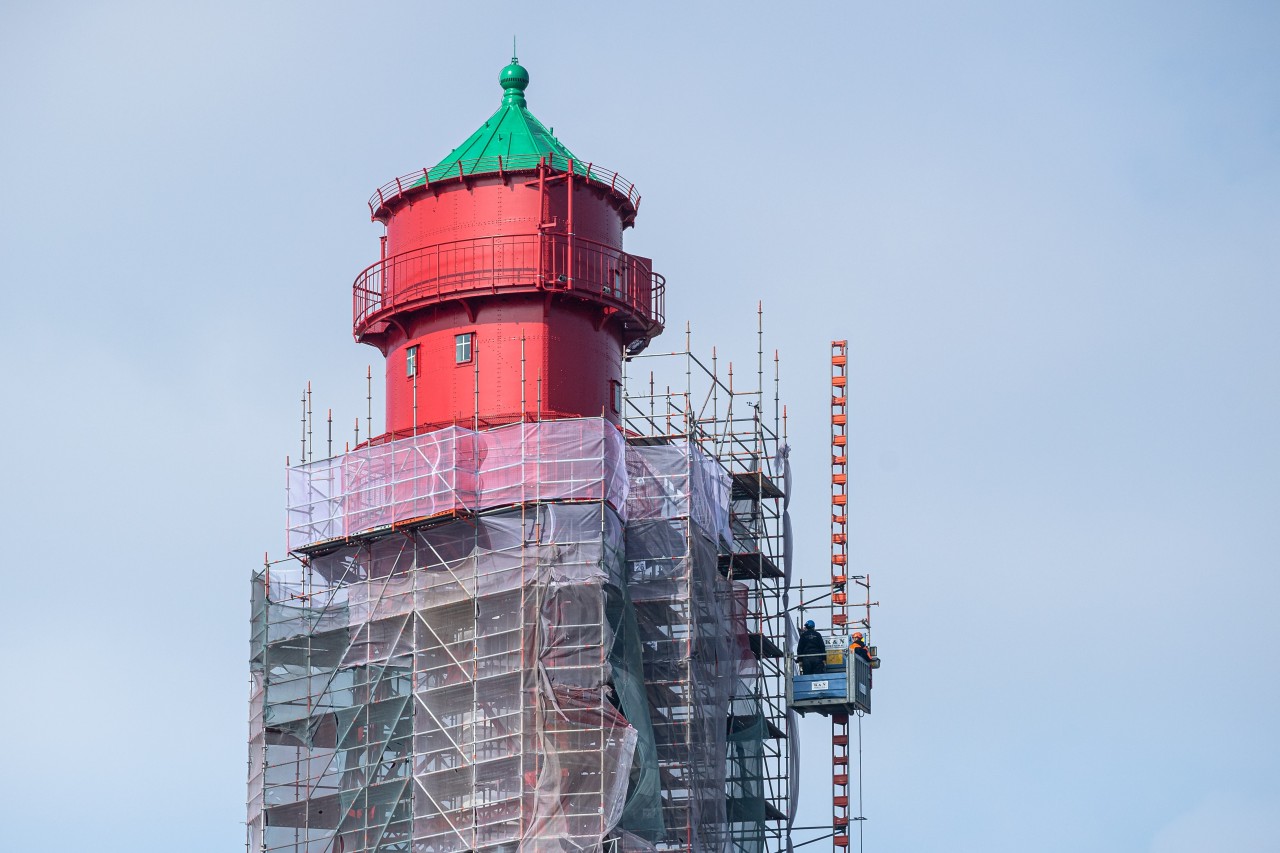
(844,688)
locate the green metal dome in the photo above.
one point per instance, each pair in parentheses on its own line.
(512,133)
(514,79)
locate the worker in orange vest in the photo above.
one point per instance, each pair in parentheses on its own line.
(858,647)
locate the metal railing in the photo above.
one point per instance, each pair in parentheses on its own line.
(461,169)
(528,262)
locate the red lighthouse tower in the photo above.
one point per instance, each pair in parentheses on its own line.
(523,620)
(503,293)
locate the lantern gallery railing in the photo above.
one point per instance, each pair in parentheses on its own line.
(463,169)
(516,262)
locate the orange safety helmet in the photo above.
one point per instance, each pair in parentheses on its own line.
(857,635)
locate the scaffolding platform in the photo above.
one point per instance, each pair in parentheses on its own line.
(650,440)
(754,485)
(752,565)
(738,723)
(763,647)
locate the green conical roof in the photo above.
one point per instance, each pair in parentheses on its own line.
(512,140)
(512,133)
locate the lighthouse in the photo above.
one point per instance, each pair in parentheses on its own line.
(503,293)
(536,612)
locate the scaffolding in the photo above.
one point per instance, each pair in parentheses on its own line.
(729,604)
(459,686)
(449,660)
(559,636)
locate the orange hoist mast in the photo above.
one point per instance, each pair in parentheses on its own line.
(839,578)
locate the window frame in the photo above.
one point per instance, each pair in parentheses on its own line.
(470,339)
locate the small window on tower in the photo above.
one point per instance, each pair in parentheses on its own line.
(411,361)
(616,396)
(462,347)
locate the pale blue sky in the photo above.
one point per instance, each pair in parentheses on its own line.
(1049,232)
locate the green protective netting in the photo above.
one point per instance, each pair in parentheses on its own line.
(745,782)
(642,814)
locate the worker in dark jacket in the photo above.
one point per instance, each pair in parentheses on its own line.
(812,650)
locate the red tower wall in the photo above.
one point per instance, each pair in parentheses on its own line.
(491,206)
(568,364)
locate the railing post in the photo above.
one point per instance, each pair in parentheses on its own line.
(569,226)
(539,244)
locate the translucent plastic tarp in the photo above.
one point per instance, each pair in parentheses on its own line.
(545,677)
(455,469)
(692,651)
(678,481)
(460,686)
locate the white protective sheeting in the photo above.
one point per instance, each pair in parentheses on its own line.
(447,689)
(454,469)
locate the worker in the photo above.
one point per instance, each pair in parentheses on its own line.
(858,647)
(812,650)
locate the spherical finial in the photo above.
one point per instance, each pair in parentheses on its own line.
(514,78)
